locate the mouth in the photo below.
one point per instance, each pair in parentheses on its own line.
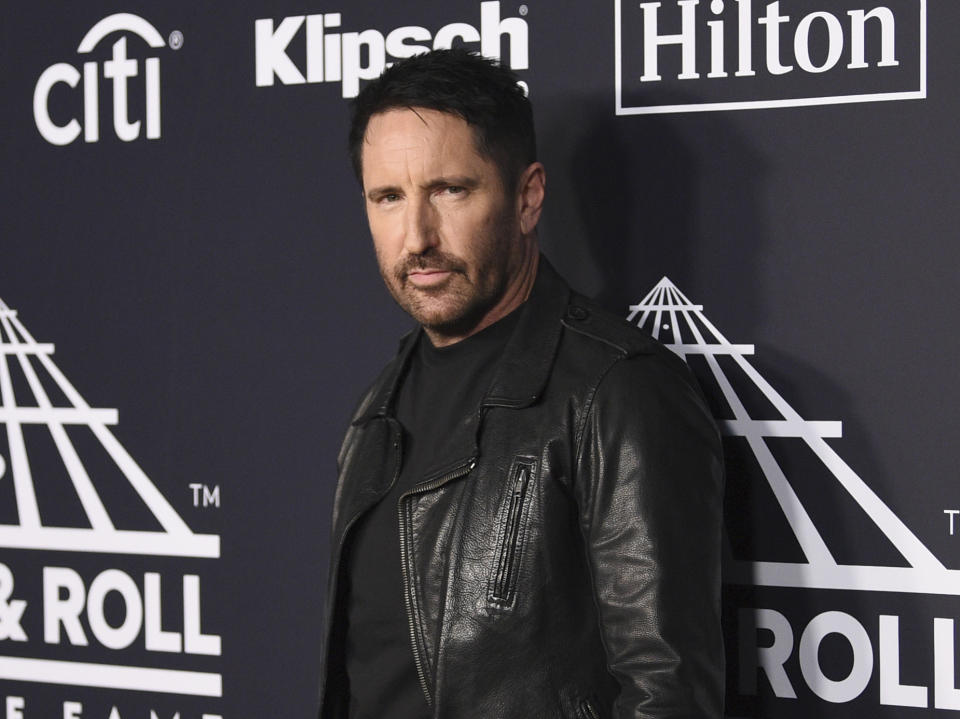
(428,277)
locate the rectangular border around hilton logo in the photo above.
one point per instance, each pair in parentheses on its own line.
(676,56)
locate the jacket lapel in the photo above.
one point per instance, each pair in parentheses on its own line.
(528,357)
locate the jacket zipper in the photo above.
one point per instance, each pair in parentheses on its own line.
(461,471)
(503,580)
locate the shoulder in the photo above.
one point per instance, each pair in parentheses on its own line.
(595,329)
(637,382)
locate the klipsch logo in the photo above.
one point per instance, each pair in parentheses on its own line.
(737,387)
(696,55)
(349,57)
(121,70)
(51,438)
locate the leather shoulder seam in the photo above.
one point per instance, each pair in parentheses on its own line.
(622,339)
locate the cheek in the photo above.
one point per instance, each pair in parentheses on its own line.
(470,233)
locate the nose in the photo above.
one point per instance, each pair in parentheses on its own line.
(420,227)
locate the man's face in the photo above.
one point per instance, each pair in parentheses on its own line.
(446,234)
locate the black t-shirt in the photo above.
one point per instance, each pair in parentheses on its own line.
(441,388)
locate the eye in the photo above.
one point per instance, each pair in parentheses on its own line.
(454,189)
(388,198)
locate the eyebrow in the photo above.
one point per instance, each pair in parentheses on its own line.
(458,180)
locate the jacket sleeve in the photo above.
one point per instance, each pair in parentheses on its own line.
(649,485)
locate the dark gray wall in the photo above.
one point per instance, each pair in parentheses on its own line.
(216,286)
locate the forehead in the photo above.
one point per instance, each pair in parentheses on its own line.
(418,140)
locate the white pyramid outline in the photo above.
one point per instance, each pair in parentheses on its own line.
(175,539)
(662,306)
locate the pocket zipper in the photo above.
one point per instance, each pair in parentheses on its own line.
(504,581)
(587,711)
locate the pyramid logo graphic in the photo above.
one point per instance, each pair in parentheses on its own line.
(33,405)
(669,316)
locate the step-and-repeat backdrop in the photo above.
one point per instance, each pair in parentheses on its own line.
(189,307)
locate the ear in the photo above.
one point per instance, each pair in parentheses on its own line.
(531,188)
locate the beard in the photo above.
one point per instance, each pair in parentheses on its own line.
(474,286)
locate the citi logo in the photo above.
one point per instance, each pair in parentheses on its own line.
(333,56)
(743,54)
(120,69)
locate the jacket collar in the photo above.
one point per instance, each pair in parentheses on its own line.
(527,359)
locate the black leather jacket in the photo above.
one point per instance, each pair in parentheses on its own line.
(564,562)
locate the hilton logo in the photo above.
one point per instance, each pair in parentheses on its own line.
(693,55)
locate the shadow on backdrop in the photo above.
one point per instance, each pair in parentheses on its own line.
(651,196)
(633,199)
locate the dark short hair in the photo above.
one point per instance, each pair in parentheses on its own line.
(479,90)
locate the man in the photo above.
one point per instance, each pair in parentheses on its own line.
(527,519)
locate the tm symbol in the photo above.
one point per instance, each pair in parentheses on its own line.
(208,496)
(952,513)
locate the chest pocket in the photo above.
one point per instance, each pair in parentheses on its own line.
(502,588)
